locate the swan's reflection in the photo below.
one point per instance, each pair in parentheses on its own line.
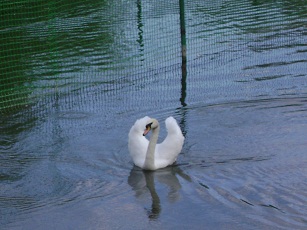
(143,181)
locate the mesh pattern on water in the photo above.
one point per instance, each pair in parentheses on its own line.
(234,48)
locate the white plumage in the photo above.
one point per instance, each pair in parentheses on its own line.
(148,154)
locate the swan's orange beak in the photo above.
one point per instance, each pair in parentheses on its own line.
(146,130)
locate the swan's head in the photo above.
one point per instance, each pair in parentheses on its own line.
(151,124)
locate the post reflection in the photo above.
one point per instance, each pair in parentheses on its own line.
(143,182)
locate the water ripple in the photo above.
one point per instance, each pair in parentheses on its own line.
(261,179)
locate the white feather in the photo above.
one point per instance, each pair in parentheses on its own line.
(165,153)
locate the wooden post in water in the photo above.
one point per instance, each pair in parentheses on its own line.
(183,52)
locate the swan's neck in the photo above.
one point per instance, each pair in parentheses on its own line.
(149,163)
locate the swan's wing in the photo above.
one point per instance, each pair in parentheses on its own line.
(169,149)
(137,143)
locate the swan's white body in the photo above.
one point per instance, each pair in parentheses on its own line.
(149,155)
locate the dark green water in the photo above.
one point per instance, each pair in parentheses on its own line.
(81,73)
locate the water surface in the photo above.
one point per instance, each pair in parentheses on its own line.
(242,108)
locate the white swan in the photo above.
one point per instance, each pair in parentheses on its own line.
(149,155)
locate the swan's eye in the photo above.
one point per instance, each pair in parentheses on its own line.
(148,125)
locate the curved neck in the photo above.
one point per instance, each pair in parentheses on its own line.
(149,163)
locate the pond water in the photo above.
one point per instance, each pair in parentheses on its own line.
(242,108)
